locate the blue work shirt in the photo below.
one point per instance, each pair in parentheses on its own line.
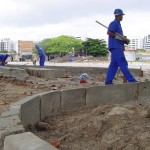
(41,53)
(3,57)
(115,26)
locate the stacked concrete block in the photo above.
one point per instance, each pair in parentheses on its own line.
(144,92)
(30,110)
(50,104)
(98,70)
(111,94)
(14,72)
(93,70)
(1,74)
(73,98)
(17,73)
(45,73)
(26,141)
(6,71)
(71,69)
(143,89)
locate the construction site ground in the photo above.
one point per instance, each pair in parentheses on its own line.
(14,89)
(107,127)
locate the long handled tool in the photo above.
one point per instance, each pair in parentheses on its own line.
(121,36)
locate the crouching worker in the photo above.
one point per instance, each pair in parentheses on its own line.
(41,54)
(3,58)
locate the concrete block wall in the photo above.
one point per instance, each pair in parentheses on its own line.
(71,69)
(143,89)
(111,94)
(50,104)
(30,111)
(13,72)
(35,108)
(45,72)
(90,70)
(73,98)
(144,93)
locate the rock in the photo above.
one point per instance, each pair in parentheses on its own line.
(144,114)
(120,111)
(43,126)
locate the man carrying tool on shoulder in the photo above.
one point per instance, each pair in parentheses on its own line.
(116,41)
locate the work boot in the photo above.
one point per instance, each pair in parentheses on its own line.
(107,83)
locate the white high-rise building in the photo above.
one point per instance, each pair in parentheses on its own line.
(7,45)
(146,42)
(136,43)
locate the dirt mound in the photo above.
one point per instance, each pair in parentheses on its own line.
(78,59)
(118,127)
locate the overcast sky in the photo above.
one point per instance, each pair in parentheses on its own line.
(39,19)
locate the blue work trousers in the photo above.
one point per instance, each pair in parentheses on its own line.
(42,61)
(118,60)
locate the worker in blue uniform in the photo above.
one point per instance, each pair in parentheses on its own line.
(41,54)
(70,57)
(3,58)
(116,48)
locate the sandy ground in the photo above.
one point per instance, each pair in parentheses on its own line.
(12,90)
(114,127)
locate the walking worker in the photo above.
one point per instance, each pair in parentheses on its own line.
(116,48)
(70,57)
(3,58)
(41,54)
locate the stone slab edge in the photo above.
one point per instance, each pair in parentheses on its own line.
(26,141)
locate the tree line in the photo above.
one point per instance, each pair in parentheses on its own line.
(66,44)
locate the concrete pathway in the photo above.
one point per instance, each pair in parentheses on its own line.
(144,65)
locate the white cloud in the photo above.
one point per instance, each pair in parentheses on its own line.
(39,19)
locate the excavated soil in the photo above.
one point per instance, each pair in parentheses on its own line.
(13,89)
(107,127)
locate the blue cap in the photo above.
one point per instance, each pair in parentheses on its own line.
(36,46)
(118,12)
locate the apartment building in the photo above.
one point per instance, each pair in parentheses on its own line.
(146,42)
(136,43)
(7,45)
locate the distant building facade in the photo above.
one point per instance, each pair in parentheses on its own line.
(136,43)
(140,43)
(25,46)
(7,45)
(25,49)
(130,54)
(146,42)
